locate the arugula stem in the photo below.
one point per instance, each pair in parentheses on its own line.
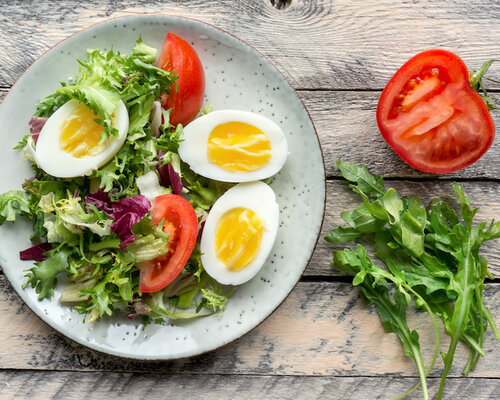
(421,372)
(469,363)
(448,361)
(463,311)
(473,344)
(417,355)
(490,320)
(474,364)
(479,298)
(436,346)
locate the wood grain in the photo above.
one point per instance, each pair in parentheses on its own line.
(348,45)
(36,385)
(322,329)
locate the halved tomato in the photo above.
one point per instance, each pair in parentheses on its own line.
(430,115)
(186,100)
(181,224)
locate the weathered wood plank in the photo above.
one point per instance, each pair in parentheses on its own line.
(79,385)
(321,329)
(347,44)
(339,198)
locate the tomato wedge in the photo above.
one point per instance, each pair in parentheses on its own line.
(181,224)
(186,101)
(430,115)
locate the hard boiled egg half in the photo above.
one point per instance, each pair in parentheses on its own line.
(70,145)
(239,233)
(234,146)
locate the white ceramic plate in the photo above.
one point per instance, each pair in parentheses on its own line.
(237,77)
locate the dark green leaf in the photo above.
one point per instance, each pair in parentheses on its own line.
(358,175)
(43,276)
(342,235)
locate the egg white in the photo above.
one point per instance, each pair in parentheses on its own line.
(55,161)
(193,147)
(258,197)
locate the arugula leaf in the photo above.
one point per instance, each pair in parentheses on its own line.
(362,179)
(342,235)
(139,110)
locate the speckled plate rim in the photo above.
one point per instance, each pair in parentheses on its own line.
(110,352)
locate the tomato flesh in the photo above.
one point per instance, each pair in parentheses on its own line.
(181,223)
(430,115)
(186,101)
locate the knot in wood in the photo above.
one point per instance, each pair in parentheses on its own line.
(281,4)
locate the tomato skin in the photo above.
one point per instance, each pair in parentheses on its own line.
(431,117)
(181,224)
(179,56)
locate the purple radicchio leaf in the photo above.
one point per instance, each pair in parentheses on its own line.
(128,212)
(36,252)
(139,205)
(125,212)
(175,179)
(101,201)
(162,170)
(123,228)
(168,175)
(36,124)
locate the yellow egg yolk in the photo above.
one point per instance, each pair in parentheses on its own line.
(237,237)
(238,146)
(80,134)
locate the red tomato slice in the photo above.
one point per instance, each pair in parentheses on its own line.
(179,56)
(181,224)
(430,115)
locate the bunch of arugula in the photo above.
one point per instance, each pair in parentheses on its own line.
(103,277)
(431,258)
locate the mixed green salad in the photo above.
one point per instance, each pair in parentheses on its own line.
(96,229)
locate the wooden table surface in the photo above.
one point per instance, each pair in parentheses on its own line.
(321,343)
